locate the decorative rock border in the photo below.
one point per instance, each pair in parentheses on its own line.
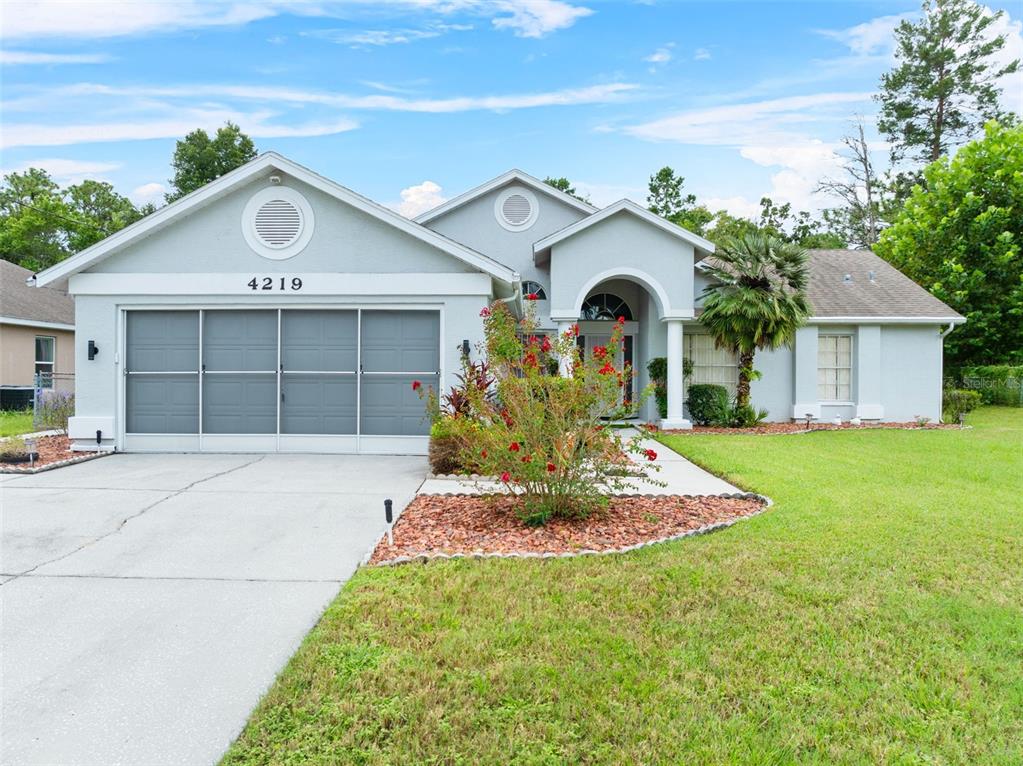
(11,469)
(818,428)
(425,558)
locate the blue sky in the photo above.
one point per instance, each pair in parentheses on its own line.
(412,101)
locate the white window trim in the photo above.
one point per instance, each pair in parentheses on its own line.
(257,201)
(52,363)
(534,208)
(852,365)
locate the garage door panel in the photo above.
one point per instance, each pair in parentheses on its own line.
(400,341)
(391,407)
(240,340)
(163,341)
(318,404)
(162,404)
(319,341)
(239,404)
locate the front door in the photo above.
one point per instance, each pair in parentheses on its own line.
(624,356)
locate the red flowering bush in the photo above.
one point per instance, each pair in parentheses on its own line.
(544,435)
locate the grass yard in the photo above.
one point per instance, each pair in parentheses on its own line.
(875,615)
(15,422)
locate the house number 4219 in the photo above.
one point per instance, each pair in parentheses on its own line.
(275,283)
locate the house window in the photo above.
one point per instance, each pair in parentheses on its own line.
(46,346)
(605,306)
(711,364)
(834,368)
(534,288)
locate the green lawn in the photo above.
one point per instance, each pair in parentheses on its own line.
(13,422)
(874,615)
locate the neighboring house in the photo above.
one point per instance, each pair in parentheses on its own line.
(37,336)
(276,310)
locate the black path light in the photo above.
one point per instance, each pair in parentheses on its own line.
(389,517)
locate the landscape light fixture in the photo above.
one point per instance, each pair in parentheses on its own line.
(389,518)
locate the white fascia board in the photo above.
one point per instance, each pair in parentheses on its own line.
(230,181)
(34,323)
(624,206)
(886,320)
(495,183)
(325,284)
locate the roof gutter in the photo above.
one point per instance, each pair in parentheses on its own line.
(947,330)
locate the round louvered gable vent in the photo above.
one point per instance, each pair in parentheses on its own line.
(277,222)
(516,209)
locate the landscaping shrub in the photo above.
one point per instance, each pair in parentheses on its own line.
(959,401)
(544,436)
(13,448)
(658,369)
(54,408)
(707,403)
(735,415)
(997,383)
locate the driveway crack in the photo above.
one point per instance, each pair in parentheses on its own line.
(133,516)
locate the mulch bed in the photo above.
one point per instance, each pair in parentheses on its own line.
(54,451)
(800,428)
(474,525)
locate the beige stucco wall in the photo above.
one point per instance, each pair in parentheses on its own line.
(18,353)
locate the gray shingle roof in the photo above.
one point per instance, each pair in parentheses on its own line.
(39,304)
(890,294)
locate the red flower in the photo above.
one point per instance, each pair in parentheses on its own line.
(575,330)
(607,369)
(532,297)
(527,459)
(485,312)
(650,454)
(513,447)
(483,454)
(621,320)
(550,468)
(546,345)
(505,477)
(416,385)
(600,351)
(529,359)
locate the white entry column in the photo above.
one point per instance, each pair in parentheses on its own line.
(674,382)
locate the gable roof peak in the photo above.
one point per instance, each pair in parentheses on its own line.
(497,182)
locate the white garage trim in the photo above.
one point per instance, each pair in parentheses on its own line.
(319,284)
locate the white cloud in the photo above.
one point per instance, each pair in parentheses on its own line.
(382,37)
(871,37)
(701,54)
(602,195)
(774,121)
(420,198)
(803,166)
(659,56)
(1011,85)
(738,206)
(111,18)
(65,171)
(537,18)
(33,57)
(146,193)
(255,124)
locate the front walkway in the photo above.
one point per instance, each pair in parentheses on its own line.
(680,476)
(148,601)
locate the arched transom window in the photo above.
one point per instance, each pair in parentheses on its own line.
(534,288)
(605,306)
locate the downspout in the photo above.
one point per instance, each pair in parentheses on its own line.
(950,328)
(941,379)
(516,296)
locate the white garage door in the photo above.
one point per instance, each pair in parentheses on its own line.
(279,379)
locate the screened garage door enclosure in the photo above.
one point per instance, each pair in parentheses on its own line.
(264,380)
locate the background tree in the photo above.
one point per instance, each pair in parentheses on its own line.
(563,184)
(756,299)
(667,199)
(943,87)
(42,224)
(199,159)
(962,239)
(858,220)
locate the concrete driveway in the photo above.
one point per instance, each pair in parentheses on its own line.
(149,600)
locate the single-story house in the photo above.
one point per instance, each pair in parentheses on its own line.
(37,336)
(276,310)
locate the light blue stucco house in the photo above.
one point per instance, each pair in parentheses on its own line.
(275,310)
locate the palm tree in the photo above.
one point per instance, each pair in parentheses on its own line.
(756,299)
